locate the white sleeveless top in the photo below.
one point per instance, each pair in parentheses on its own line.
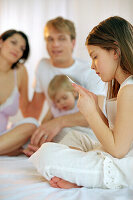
(111,104)
(117,172)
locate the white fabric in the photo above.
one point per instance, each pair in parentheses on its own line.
(111,108)
(111,104)
(90,167)
(79,71)
(85,141)
(128,81)
(71,140)
(10,99)
(85,16)
(19,180)
(28,120)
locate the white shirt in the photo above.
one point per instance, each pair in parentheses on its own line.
(79,71)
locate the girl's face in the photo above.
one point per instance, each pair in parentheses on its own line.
(64,100)
(104,62)
(12,48)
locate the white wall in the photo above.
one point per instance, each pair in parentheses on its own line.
(30,16)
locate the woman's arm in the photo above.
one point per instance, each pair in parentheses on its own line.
(118,141)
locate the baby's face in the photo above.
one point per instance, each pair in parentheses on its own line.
(64,100)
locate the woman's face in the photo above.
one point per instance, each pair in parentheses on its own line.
(12,48)
(104,62)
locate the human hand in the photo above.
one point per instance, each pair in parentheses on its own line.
(30,150)
(87,102)
(46,132)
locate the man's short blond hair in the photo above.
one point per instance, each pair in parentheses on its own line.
(57,83)
(62,25)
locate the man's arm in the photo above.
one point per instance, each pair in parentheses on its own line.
(34,107)
(54,126)
(48,116)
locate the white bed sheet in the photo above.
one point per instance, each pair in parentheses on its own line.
(19,180)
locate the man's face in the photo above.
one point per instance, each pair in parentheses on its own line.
(59,46)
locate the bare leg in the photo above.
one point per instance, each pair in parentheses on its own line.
(17,152)
(14,139)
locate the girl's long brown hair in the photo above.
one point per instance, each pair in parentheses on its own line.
(114,33)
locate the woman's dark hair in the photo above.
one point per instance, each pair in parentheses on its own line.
(10,33)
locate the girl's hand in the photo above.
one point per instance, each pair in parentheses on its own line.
(87,102)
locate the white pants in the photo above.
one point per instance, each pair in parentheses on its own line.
(67,130)
(89,168)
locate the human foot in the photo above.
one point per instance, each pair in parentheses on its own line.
(60,183)
(30,150)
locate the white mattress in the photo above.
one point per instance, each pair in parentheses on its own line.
(19,180)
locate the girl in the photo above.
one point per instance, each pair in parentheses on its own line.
(14,50)
(109,164)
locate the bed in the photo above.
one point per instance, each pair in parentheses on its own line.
(19,180)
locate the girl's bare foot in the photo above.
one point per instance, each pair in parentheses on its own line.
(60,183)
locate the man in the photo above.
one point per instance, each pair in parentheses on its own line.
(60,41)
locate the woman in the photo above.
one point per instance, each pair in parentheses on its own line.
(14,50)
(109,164)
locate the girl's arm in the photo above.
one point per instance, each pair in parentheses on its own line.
(118,141)
(99,101)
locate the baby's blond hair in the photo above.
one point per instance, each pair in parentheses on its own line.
(57,83)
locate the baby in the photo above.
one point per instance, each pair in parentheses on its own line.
(63,96)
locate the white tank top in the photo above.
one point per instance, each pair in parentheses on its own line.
(111,104)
